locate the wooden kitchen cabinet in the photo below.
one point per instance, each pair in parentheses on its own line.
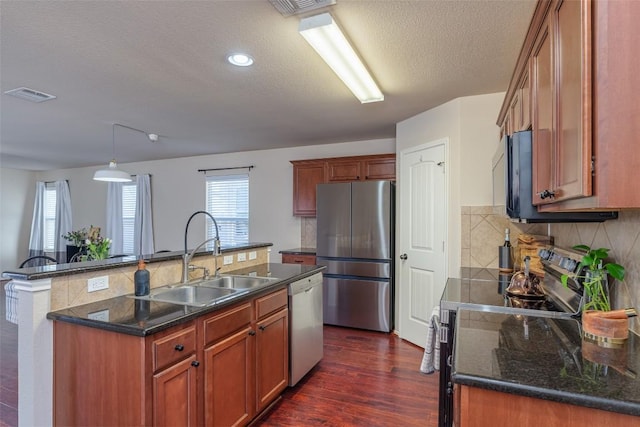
(219,369)
(307,174)
(487,408)
(272,357)
(175,395)
(561,66)
(298,259)
(583,104)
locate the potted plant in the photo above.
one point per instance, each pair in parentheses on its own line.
(594,279)
(599,323)
(77,242)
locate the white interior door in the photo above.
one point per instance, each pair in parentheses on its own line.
(423,228)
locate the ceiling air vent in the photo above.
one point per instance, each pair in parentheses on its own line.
(296,7)
(30,94)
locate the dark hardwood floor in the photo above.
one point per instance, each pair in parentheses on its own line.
(8,367)
(365,379)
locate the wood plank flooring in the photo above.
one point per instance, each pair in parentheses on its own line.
(365,379)
(8,367)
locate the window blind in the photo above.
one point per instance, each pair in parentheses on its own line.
(128,216)
(49,217)
(228,202)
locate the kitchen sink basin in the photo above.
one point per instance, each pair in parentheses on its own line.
(236,282)
(199,296)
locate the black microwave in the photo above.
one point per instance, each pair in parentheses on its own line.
(513,187)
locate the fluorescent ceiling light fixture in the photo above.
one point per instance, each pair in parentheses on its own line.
(240,59)
(112,173)
(324,35)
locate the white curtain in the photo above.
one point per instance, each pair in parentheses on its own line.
(63,220)
(143,226)
(36,241)
(114,217)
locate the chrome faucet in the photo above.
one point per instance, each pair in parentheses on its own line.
(187,257)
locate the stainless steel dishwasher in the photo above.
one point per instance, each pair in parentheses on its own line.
(305,326)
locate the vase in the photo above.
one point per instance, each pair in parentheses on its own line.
(596,291)
(72,250)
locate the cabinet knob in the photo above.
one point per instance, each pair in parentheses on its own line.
(262,327)
(546,194)
(403,257)
(252,332)
(179,347)
(195,363)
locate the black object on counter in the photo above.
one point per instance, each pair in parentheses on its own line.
(505,258)
(141,279)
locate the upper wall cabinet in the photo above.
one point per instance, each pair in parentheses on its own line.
(582,87)
(309,173)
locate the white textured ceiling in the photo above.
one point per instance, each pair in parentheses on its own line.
(160,66)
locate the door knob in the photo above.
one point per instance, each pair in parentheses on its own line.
(403,257)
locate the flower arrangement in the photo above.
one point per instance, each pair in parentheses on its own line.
(595,277)
(97,248)
(92,245)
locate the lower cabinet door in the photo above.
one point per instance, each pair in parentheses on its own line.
(229,380)
(272,357)
(174,395)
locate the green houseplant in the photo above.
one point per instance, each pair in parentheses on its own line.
(594,278)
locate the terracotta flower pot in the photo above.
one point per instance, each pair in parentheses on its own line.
(603,330)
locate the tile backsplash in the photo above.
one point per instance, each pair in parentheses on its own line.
(308,233)
(483,232)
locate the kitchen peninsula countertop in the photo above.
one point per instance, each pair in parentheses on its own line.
(545,358)
(125,314)
(56,270)
(299,251)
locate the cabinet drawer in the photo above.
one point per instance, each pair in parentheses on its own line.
(174,347)
(223,324)
(298,259)
(270,303)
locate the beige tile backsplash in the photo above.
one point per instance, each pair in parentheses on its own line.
(70,291)
(483,231)
(308,233)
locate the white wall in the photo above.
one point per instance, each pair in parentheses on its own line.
(17,191)
(178,190)
(469,124)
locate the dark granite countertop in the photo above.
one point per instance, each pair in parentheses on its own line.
(55,270)
(545,358)
(132,316)
(299,251)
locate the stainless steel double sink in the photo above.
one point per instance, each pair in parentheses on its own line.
(206,292)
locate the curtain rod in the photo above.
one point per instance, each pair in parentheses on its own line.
(226,169)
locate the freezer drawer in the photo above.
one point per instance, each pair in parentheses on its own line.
(374,269)
(363,304)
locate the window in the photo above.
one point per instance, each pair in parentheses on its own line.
(128,216)
(228,202)
(49,244)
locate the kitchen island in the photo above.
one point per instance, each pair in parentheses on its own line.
(512,369)
(155,363)
(56,287)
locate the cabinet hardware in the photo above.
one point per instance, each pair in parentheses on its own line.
(403,257)
(195,363)
(179,347)
(252,332)
(546,193)
(262,327)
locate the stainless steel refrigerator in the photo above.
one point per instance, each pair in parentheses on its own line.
(355,241)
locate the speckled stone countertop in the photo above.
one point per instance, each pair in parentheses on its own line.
(545,358)
(128,315)
(56,270)
(299,251)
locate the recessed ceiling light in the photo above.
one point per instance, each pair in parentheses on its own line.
(240,59)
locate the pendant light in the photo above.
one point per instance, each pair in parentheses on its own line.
(112,173)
